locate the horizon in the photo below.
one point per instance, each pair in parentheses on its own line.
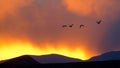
(48,56)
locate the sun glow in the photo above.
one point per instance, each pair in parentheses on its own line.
(17,49)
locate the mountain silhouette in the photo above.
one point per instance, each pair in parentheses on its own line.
(26,59)
(59,61)
(44,59)
(54,58)
(113,55)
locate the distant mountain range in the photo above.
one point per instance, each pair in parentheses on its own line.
(54,58)
(113,55)
(44,59)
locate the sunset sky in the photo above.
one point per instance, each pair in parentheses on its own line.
(34,27)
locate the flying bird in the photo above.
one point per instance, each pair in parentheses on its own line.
(64,26)
(98,22)
(82,25)
(71,25)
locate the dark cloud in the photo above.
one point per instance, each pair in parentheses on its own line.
(111,40)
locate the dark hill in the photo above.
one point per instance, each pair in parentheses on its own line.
(54,58)
(26,59)
(113,55)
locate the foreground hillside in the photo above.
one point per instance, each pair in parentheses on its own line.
(97,64)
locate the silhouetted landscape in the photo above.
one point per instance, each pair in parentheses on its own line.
(106,60)
(59,34)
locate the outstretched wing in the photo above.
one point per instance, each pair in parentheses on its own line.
(64,26)
(98,22)
(81,26)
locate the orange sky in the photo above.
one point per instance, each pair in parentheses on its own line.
(34,27)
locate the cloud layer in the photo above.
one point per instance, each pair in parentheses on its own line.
(39,22)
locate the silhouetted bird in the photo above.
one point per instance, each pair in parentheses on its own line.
(71,25)
(81,26)
(98,22)
(64,26)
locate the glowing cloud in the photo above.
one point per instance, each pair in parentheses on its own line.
(87,7)
(10,6)
(82,7)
